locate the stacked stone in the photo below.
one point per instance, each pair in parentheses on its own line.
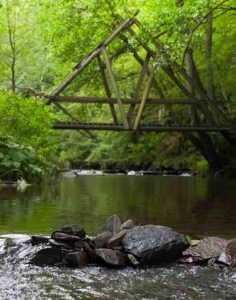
(125,244)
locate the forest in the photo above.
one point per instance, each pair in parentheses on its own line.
(41,42)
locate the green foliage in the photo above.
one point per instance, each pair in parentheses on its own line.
(28,121)
(17,161)
(27,138)
(60,33)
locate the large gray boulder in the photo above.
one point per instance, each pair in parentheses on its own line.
(154,244)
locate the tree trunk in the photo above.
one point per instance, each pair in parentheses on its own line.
(12,42)
(190,71)
(208,55)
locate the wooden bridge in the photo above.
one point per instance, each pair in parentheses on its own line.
(204,114)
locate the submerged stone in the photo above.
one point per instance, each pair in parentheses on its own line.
(154,244)
(39,240)
(112,224)
(228,256)
(112,258)
(48,257)
(207,248)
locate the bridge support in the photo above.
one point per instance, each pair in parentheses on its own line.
(131,119)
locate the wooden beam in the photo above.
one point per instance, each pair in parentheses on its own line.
(145,96)
(150,101)
(107,89)
(89,57)
(115,87)
(138,87)
(213,113)
(148,128)
(141,62)
(66,112)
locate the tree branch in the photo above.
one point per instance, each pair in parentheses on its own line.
(198,25)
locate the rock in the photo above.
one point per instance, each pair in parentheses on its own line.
(48,257)
(39,240)
(66,239)
(154,244)
(133,260)
(112,224)
(228,256)
(116,240)
(207,248)
(77,259)
(112,258)
(187,259)
(127,224)
(102,239)
(74,230)
(63,237)
(60,244)
(86,246)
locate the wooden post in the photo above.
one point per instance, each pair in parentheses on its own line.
(107,89)
(115,88)
(138,87)
(145,96)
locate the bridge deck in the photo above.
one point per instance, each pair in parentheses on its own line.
(156,128)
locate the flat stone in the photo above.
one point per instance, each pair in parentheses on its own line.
(112,258)
(77,259)
(73,229)
(102,239)
(228,255)
(129,224)
(207,248)
(112,224)
(60,244)
(48,257)
(116,240)
(153,244)
(39,240)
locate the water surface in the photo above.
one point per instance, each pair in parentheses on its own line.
(200,206)
(197,206)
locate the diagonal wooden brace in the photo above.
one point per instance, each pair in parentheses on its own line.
(115,88)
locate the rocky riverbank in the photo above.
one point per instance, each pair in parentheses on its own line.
(119,245)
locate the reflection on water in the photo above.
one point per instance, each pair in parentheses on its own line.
(198,206)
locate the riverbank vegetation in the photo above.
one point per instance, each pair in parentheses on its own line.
(42,41)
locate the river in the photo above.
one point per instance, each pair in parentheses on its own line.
(195,206)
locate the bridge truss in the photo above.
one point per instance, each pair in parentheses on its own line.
(127,113)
